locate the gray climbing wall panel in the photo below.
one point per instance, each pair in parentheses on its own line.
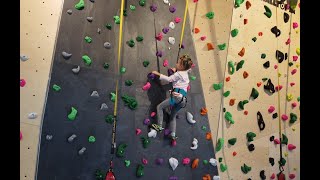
(59,159)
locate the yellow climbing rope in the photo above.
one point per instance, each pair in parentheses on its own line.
(184,22)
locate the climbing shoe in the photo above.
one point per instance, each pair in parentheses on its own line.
(157,127)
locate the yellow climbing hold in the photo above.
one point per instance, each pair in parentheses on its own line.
(286,154)
(298,51)
(293,129)
(289,97)
(297,65)
(297,31)
(294,169)
(279,74)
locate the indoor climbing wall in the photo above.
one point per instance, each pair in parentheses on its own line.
(39,22)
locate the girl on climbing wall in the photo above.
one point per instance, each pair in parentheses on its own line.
(177,99)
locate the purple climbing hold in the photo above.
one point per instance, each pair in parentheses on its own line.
(151,76)
(159,161)
(182,46)
(159,54)
(172,9)
(146,121)
(170,72)
(165,30)
(173,178)
(153,8)
(167,132)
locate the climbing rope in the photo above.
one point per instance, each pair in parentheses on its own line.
(183,25)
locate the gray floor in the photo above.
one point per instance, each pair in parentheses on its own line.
(58,159)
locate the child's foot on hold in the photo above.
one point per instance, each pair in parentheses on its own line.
(157,127)
(173,139)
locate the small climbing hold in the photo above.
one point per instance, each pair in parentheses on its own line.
(268,12)
(69,11)
(228,79)
(248,5)
(234,153)
(228,117)
(172,9)
(144,161)
(202,38)
(254,93)
(171,40)
(71,138)
(109,26)
(205,162)
(128,82)
(245,112)
(242,103)
(127,163)
(289,96)
(288,41)
(140,172)
(250,136)
(232,141)
(294,58)
(203,128)
(24,57)
(122,70)
(196,30)
(220,159)
(177,19)
(195,163)
(239,65)
(194,144)
(165,30)
(131,43)
(56,88)
(129,101)
(217,86)
(186,161)
(286,17)
(276,31)
(234,32)
(266,64)
(109,118)
(82,150)
(223,167)
(112,96)
(294,104)
(284,139)
(132,7)
(146,121)
(103,106)
(159,36)
(94,94)
(272,176)
(290,64)
(224,109)
(192,77)
(292,176)
(159,161)
(146,87)
(173,163)
(86,60)
(173,178)
(245,74)
(66,55)
(219,144)
(159,53)
(190,118)
(254,39)
(222,46)
(278,87)
(203,111)
(138,131)
(275,66)
(275,115)
(139,38)
(172,25)
(92,139)
(231,67)
(142,2)
(152,133)
(216,177)
(210,15)
(90,19)
(49,137)
(72,115)
(226,94)
(210,46)
(291,147)
(79,5)
(293,71)
(213,162)
(242,51)
(294,25)
(238,3)
(208,136)
(107,45)
(260,34)
(251,147)
(99,30)
(153,8)
(206,177)
(145,141)
(245,21)
(293,118)
(284,117)
(245,169)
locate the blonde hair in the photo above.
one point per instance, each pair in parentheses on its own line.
(186,61)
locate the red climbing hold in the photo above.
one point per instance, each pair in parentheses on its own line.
(291,147)
(278,88)
(159,36)
(281,176)
(294,104)
(22,82)
(272,176)
(241,53)
(245,74)
(248,5)
(188,88)
(284,117)
(193,65)
(196,30)
(271,109)
(110,176)
(259,84)
(276,141)
(275,66)
(294,58)
(260,33)
(173,142)
(234,153)
(146,87)
(293,71)
(202,38)
(295,25)
(210,46)
(245,21)
(245,112)
(288,41)
(195,1)
(138,131)
(177,19)
(292,176)
(228,79)
(292,84)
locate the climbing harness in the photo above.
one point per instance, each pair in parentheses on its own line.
(183,25)
(173,102)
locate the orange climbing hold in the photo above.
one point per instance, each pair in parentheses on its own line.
(208,136)
(203,111)
(260,33)
(248,5)
(196,30)
(245,21)
(210,46)
(245,74)
(245,112)
(241,53)
(228,79)
(259,84)
(234,153)
(231,102)
(206,177)
(195,163)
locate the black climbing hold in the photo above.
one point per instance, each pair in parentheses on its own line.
(285,56)
(271,138)
(92,1)
(271,161)
(269,87)
(276,31)
(262,175)
(290,64)
(275,115)
(106,66)
(125,12)
(279,56)
(224,109)
(266,64)
(220,159)
(251,147)
(261,123)
(285,17)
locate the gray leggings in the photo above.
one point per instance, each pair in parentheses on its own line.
(166,104)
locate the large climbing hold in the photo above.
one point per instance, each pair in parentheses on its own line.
(268,12)
(250,136)
(242,103)
(86,59)
(293,118)
(80,5)
(129,101)
(234,32)
(284,139)
(210,15)
(232,141)
(120,150)
(261,123)
(286,17)
(276,31)
(228,117)
(231,67)
(219,144)
(238,3)
(140,172)
(245,169)
(269,87)
(239,65)
(72,115)
(262,175)
(254,93)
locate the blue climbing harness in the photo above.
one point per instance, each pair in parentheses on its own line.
(173,103)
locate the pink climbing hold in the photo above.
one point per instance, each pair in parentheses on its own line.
(288,41)
(165,63)
(193,65)
(294,104)
(195,1)
(293,71)
(22,82)
(177,19)
(146,86)
(294,58)
(278,88)
(188,88)
(292,176)
(272,176)
(276,141)
(284,117)
(186,161)
(292,84)
(173,142)
(20,135)
(153,114)
(138,131)
(271,109)
(287,6)
(295,25)
(159,36)
(144,161)
(291,147)
(275,66)
(203,38)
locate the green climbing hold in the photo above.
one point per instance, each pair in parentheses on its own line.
(92,139)
(132,7)
(264,79)
(282,162)
(220,159)
(109,118)
(99,175)
(268,12)
(205,162)
(140,172)
(128,82)
(106,66)
(131,102)
(142,2)
(254,39)
(263,56)
(293,4)
(210,15)
(130,43)
(139,38)
(192,78)
(217,86)
(80,5)
(231,67)
(56,88)
(109,26)
(127,163)
(223,167)
(242,103)
(88,39)
(245,169)
(290,64)
(250,136)
(112,96)
(234,32)
(240,64)
(222,46)
(254,93)
(116,19)
(120,150)
(238,2)
(228,117)
(219,144)
(72,114)
(86,60)
(232,141)
(122,70)
(203,128)
(284,139)
(125,13)
(146,63)
(226,94)
(145,141)
(298,99)
(293,118)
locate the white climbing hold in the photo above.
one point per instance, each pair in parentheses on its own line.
(103,106)
(69,11)
(76,70)
(190,118)
(213,162)
(216,177)
(90,19)
(107,45)
(23,57)
(152,133)
(32,115)
(171,40)
(173,163)
(166,1)
(172,25)
(169,48)
(99,30)
(194,144)
(94,94)
(66,55)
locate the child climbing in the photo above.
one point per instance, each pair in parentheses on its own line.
(177,99)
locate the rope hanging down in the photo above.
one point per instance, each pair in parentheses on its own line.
(183,25)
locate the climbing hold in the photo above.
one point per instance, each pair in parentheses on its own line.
(94,94)
(112,97)
(293,71)
(72,115)
(245,74)
(271,161)
(245,21)
(242,51)
(159,36)
(122,70)
(234,153)
(108,26)
(266,64)
(159,53)
(216,177)
(92,139)
(192,77)
(276,31)
(109,118)
(130,43)
(295,25)
(269,87)
(219,144)
(291,147)
(196,30)
(259,84)
(220,159)
(194,144)
(261,123)
(238,2)
(223,167)
(132,7)
(71,138)
(275,66)
(56,88)
(90,19)
(286,17)
(262,175)
(127,163)
(49,137)
(173,163)
(217,86)
(294,104)
(280,56)
(294,58)
(22,82)
(231,67)
(153,8)
(210,46)
(139,38)
(254,93)
(146,87)
(205,162)
(278,88)
(82,150)
(79,5)
(254,39)
(145,142)
(99,30)
(289,96)
(66,55)
(203,128)
(206,177)
(152,133)
(268,12)
(284,139)
(284,117)
(138,131)
(139,172)
(24,57)
(203,111)
(248,5)
(172,25)
(292,176)
(107,45)
(165,30)
(245,112)
(195,163)
(177,19)
(272,176)
(288,41)
(129,101)
(234,32)
(208,136)
(242,103)
(103,106)
(245,169)
(226,94)
(239,65)
(251,147)
(260,34)
(210,15)
(250,136)
(222,46)
(172,9)
(69,11)
(293,118)
(190,118)
(128,82)
(263,56)
(173,178)
(275,115)
(142,2)
(228,117)
(186,161)
(146,121)
(171,40)
(159,161)
(106,66)
(182,46)
(213,162)
(86,60)
(144,161)
(271,109)
(232,141)
(228,79)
